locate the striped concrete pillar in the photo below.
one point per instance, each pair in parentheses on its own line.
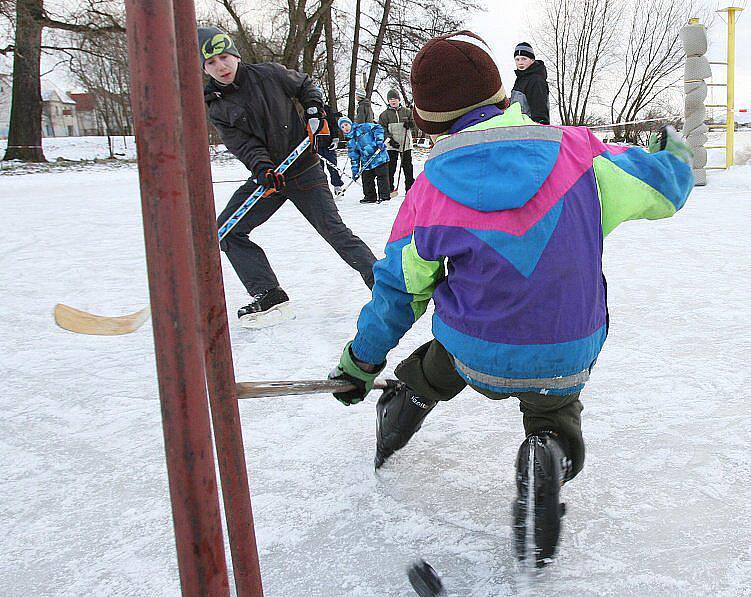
(694,38)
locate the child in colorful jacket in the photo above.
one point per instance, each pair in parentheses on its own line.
(504,231)
(367,153)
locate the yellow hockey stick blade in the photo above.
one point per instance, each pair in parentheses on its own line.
(82,322)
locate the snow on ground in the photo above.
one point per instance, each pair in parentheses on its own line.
(663,505)
(85,148)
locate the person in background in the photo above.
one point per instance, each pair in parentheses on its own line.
(368,156)
(364,111)
(399,125)
(531,86)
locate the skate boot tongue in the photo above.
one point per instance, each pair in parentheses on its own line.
(399,415)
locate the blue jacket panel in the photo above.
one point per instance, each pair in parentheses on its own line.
(364,140)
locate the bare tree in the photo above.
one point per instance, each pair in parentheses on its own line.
(293,28)
(578,39)
(410,26)
(376,54)
(648,67)
(330,60)
(353,61)
(101,67)
(25,133)
(309,58)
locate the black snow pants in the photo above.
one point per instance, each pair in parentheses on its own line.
(430,372)
(379,175)
(309,192)
(406,165)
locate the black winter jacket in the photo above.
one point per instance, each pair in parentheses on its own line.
(333,119)
(531,91)
(364,111)
(257,118)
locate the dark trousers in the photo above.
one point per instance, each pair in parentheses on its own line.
(379,174)
(330,155)
(309,192)
(430,372)
(406,157)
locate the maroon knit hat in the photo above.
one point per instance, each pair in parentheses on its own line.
(451,75)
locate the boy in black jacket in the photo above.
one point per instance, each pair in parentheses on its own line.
(253,108)
(531,85)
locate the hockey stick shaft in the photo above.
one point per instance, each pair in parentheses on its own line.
(235,218)
(341,171)
(266,389)
(364,168)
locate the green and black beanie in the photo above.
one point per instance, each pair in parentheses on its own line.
(212,41)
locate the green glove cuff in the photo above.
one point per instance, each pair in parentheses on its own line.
(347,365)
(673,143)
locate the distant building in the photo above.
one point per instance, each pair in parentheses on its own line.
(5,99)
(86,114)
(58,113)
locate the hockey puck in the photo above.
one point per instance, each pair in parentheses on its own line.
(425,580)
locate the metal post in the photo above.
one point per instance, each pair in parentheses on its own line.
(170,261)
(730,121)
(213,313)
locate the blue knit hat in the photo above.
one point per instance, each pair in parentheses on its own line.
(342,121)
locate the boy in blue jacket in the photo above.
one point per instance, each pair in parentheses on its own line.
(503,231)
(367,153)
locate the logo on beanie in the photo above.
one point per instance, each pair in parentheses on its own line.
(216,45)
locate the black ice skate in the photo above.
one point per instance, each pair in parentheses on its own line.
(267,308)
(541,464)
(425,580)
(399,414)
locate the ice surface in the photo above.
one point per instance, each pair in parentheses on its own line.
(663,505)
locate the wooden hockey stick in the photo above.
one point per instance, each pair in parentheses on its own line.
(266,389)
(82,322)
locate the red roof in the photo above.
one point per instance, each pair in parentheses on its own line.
(84,101)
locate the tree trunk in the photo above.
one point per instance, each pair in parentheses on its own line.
(330,63)
(377,48)
(25,134)
(309,52)
(353,64)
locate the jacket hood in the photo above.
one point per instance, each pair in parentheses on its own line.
(537,69)
(498,164)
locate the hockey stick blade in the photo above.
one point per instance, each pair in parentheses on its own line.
(266,389)
(82,322)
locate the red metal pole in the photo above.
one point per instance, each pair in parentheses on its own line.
(170,261)
(213,312)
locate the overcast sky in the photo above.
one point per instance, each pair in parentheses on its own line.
(505,24)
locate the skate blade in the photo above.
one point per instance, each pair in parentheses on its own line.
(274,316)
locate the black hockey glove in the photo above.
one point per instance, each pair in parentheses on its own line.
(407,124)
(270,179)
